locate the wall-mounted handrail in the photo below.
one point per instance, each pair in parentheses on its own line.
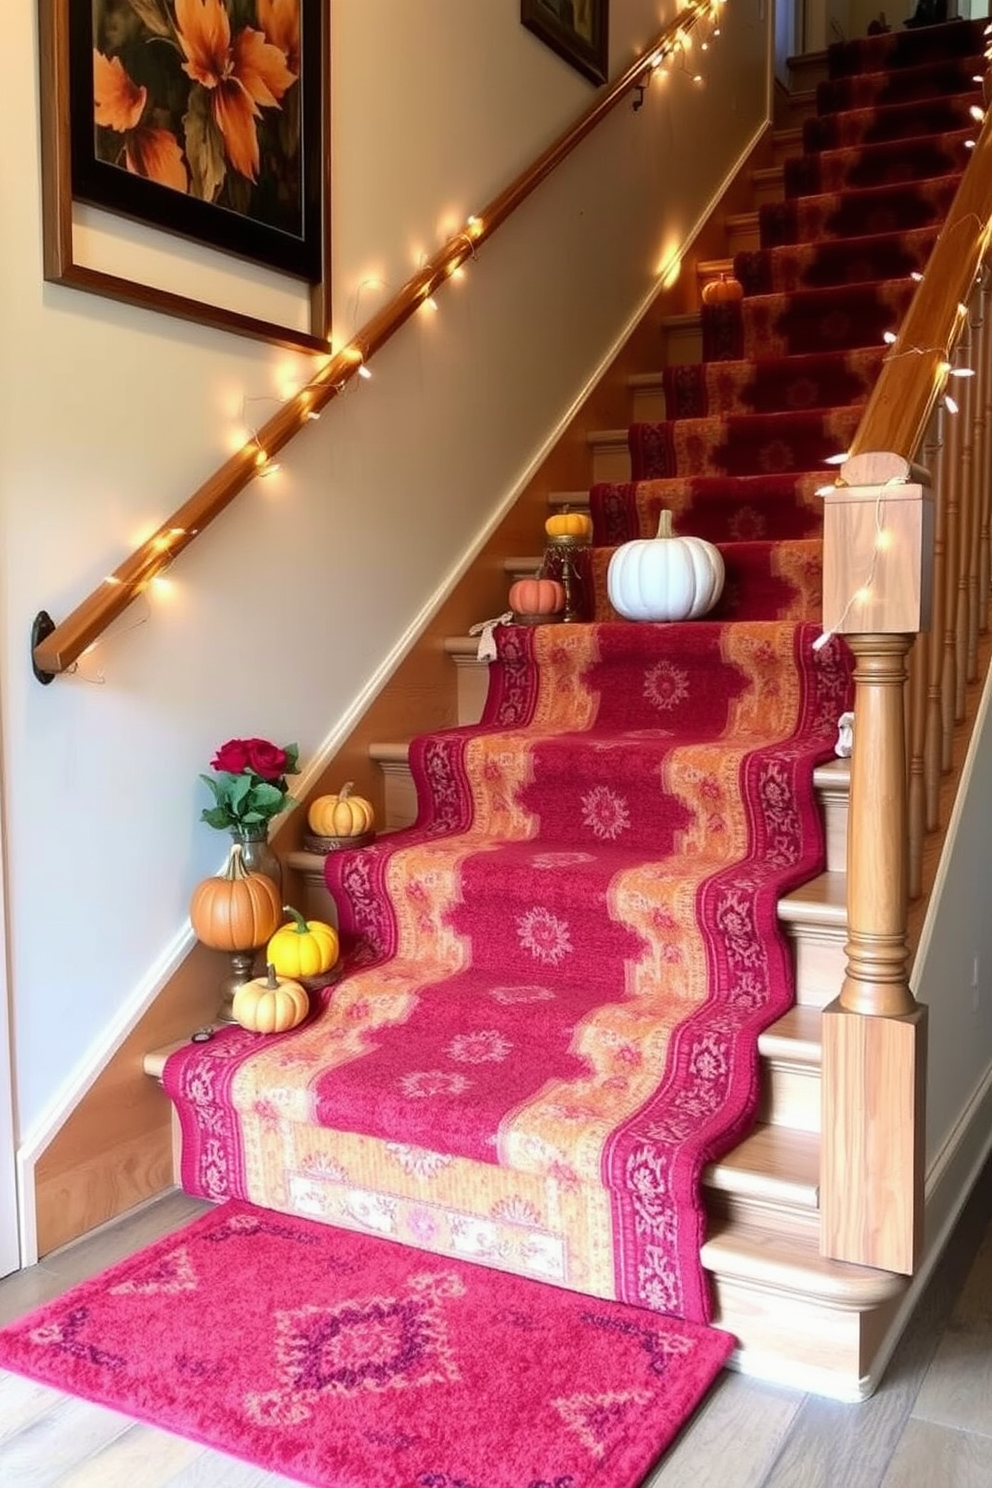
(57,647)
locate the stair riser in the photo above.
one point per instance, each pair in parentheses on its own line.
(787,1219)
(786,144)
(768,186)
(821,962)
(790,1096)
(683,340)
(648,405)
(791,1338)
(610,456)
(742,236)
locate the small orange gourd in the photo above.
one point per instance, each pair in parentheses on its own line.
(536,597)
(237,910)
(343,815)
(723,291)
(270,1004)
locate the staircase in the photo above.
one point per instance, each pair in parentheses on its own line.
(800,1318)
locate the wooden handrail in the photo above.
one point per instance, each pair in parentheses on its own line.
(59,646)
(913,373)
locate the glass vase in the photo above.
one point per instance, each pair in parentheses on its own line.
(257,854)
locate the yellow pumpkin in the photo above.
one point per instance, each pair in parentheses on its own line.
(236,911)
(270,1004)
(343,815)
(569,524)
(303,947)
(722,291)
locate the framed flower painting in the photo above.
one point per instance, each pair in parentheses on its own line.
(202,118)
(578,30)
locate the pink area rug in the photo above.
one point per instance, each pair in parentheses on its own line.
(352,1362)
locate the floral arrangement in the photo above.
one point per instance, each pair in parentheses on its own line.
(196,94)
(250,785)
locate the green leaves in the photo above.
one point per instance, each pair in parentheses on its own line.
(243,800)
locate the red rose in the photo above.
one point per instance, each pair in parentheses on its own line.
(266,759)
(232,756)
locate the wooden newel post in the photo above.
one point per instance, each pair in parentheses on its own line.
(877,980)
(874,1034)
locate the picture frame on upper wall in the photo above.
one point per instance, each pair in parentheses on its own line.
(578,30)
(165,171)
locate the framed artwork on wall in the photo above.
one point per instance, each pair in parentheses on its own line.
(577,30)
(206,119)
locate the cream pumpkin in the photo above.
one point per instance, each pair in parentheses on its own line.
(665,577)
(270,1004)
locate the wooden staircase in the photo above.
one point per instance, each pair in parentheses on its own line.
(800,1319)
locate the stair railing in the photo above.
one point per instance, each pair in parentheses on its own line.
(56,647)
(906,582)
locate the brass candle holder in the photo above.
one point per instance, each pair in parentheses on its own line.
(566,559)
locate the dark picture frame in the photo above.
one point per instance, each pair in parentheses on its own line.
(578,30)
(125,131)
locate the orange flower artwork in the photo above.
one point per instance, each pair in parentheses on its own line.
(202,96)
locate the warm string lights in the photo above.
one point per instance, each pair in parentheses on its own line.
(883,541)
(673,55)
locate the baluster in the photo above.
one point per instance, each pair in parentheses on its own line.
(962,393)
(976,413)
(951,490)
(933,454)
(983,393)
(916,707)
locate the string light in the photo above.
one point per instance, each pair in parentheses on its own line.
(861,595)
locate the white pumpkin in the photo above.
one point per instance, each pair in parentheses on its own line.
(665,577)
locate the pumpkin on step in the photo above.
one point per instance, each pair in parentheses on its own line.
(270,1004)
(302,948)
(723,291)
(343,815)
(665,577)
(544,597)
(569,524)
(236,911)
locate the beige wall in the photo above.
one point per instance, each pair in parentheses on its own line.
(306,590)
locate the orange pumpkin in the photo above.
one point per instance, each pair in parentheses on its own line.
(569,524)
(343,815)
(723,291)
(536,597)
(236,911)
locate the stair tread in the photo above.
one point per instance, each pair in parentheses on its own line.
(792,1262)
(646,380)
(776,1163)
(569,498)
(794,1038)
(608,436)
(822,901)
(742,220)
